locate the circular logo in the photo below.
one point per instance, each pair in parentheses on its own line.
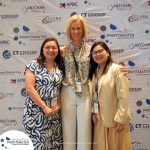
(23,92)
(7,54)
(15,140)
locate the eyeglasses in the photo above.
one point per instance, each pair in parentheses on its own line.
(98,52)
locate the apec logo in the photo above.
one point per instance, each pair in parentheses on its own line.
(68,5)
(4,42)
(90,40)
(15,81)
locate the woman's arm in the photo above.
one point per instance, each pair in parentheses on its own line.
(122,89)
(33,94)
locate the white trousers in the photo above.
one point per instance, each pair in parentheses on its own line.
(76,119)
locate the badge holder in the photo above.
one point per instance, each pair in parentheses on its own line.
(79,86)
(96,106)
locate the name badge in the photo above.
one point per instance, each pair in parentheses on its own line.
(53,102)
(96,106)
(79,86)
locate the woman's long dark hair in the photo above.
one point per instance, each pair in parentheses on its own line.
(93,65)
(58,59)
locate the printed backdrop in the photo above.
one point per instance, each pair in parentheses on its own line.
(123,24)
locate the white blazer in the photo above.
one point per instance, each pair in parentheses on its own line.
(113,90)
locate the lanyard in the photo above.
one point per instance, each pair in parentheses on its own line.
(96,83)
(76,67)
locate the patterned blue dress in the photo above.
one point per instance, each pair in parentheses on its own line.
(45,132)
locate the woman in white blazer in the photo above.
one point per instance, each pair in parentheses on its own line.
(109,95)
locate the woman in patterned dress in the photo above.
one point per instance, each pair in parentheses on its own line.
(43,78)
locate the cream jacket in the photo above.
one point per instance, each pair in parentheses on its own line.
(113,90)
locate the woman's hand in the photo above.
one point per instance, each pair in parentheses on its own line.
(119,127)
(94,118)
(56,109)
(124,70)
(48,111)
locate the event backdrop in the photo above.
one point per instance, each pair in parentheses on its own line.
(123,24)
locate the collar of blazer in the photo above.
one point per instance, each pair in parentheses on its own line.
(101,77)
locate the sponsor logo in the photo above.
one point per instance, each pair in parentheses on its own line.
(14,139)
(15,108)
(118,6)
(135,89)
(8,122)
(117,51)
(17,81)
(139,45)
(143,109)
(93,15)
(138,71)
(8,54)
(4,42)
(90,40)
(51,19)
(9,16)
(23,92)
(4,95)
(134,17)
(110,31)
(33,9)
(10,72)
(68,5)
(27,34)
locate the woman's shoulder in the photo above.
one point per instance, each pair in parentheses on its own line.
(32,62)
(115,67)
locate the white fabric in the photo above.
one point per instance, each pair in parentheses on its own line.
(76,119)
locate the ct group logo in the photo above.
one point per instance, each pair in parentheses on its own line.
(7,54)
(15,140)
(24,92)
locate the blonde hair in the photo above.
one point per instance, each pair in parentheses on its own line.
(83,22)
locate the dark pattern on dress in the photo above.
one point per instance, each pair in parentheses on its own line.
(45,132)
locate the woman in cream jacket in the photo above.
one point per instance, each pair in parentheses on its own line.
(109,95)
